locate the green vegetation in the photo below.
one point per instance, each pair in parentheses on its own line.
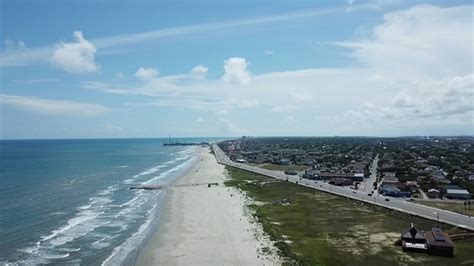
(278,167)
(319,228)
(450,206)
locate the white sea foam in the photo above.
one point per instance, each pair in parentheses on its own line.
(120,252)
(154,169)
(175,169)
(150,170)
(108,190)
(83,217)
(56,256)
(69,249)
(102,242)
(100,212)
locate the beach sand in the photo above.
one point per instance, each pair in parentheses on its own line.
(203,225)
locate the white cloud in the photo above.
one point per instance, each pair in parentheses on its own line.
(12,45)
(75,57)
(146,74)
(52,107)
(119,75)
(284,108)
(111,129)
(301,96)
(27,56)
(235,70)
(199,70)
(38,80)
(268,52)
(374,98)
(422,40)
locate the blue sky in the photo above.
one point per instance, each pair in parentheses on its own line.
(78,69)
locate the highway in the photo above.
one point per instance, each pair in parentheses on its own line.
(398,204)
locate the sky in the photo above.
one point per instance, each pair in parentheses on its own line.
(120,69)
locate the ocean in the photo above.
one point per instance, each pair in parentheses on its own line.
(69,202)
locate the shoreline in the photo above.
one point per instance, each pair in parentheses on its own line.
(205,225)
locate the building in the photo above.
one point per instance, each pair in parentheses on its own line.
(341,181)
(433,193)
(439,243)
(413,240)
(312,174)
(434,242)
(393,191)
(454,193)
(353,177)
(412,185)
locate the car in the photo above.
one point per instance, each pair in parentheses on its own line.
(354,192)
(387,199)
(370,195)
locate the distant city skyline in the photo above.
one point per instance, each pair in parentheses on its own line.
(104,69)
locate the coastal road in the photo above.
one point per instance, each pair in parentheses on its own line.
(398,204)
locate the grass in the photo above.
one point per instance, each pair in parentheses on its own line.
(284,167)
(322,229)
(450,206)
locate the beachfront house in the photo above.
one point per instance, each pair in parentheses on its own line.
(414,240)
(439,242)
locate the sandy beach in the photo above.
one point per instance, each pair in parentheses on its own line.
(206,226)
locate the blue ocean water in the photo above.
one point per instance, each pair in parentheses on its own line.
(69,202)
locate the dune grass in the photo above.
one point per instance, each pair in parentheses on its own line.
(318,228)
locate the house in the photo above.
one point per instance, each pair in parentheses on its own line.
(435,241)
(440,177)
(414,240)
(433,193)
(412,185)
(471,178)
(439,243)
(389,180)
(359,176)
(453,193)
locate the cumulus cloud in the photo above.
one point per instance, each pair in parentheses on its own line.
(370,96)
(421,40)
(145,74)
(75,57)
(235,70)
(199,70)
(52,107)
